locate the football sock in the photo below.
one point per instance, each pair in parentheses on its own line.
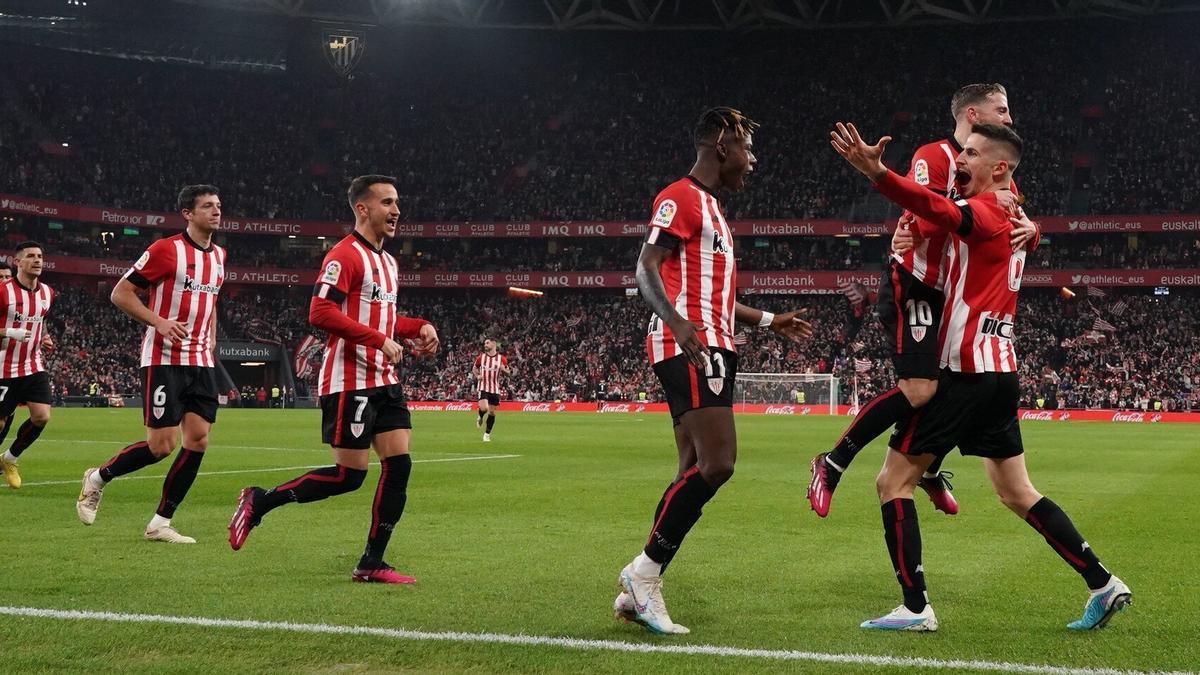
(682,504)
(491,422)
(883,411)
(903,537)
(158,521)
(313,486)
(26,435)
(390,497)
(643,566)
(481,413)
(7,425)
(1052,523)
(178,481)
(128,460)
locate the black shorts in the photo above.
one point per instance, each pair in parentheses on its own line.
(688,388)
(976,412)
(492,399)
(171,391)
(350,419)
(911,314)
(14,391)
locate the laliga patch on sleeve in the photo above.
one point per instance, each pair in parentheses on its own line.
(141,262)
(921,172)
(665,214)
(333,272)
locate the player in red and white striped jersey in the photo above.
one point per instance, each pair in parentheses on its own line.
(687,275)
(975,407)
(24,303)
(909,306)
(182,275)
(487,370)
(362,403)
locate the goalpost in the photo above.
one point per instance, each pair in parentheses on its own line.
(812,389)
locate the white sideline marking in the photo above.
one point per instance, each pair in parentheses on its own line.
(561,642)
(269,469)
(125,442)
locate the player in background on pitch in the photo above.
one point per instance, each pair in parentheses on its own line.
(487,370)
(24,303)
(183,275)
(975,407)
(362,402)
(6,273)
(909,306)
(686,273)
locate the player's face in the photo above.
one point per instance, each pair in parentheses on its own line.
(993,111)
(205,214)
(5,274)
(980,165)
(739,162)
(381,207)
(489,346)
(30,261)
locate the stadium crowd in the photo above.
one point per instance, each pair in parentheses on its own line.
(580,345)
(594,138)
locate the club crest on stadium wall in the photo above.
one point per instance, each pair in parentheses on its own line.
(343,48)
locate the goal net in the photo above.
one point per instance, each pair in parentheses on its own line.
(819,390)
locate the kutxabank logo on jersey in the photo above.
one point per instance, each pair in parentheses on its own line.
(343,48)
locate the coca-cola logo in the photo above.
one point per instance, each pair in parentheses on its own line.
(615,408)
(536,407)
(1038,415)
(780,410)
(1129,417)
(464,406)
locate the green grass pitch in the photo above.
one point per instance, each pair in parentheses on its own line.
(532,545)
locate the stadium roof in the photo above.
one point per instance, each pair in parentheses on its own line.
(729,15)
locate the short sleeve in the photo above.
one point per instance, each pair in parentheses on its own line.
(156,264)
(930,168)
(336,275)
(676,216)
(504,361)
(478,360)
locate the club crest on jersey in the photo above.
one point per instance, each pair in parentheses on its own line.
(189,284)
(333,272)
(380,295)
(141,262)
(918,332)
(158,411)
(716,384)
(665,214)
(356,429)
(921,172)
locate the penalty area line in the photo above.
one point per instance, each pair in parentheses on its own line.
(269,469)
(559,642)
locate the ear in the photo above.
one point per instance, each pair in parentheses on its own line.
(722,152)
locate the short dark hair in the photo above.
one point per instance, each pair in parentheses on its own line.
(973,94)
(361,185)
(1001,134)
(190,193)
(714,122)
(24,245)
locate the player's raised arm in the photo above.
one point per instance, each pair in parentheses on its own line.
(789,324)
(650,284)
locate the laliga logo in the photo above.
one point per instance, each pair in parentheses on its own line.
(1065,416)
(1156,418)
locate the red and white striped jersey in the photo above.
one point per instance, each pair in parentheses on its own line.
(700,274)
(23,308)
(983,276)
(362,281)
(489,371)
(184,280)
(933,167)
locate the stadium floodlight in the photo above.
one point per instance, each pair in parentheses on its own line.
(819,391)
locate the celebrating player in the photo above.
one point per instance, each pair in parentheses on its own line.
(362,402)
(975,407)
(24,303)
(909,306)
(183,274)
(686,273)
(487,370)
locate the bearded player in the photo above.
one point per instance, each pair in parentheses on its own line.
(976,404)
(24,303)
(686,274)
(488,368)
(183,275)
(909,307)
(362,403)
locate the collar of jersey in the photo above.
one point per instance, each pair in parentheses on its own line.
(702,186)
(954,144)
(194,244)
(367,243)
(17,281)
